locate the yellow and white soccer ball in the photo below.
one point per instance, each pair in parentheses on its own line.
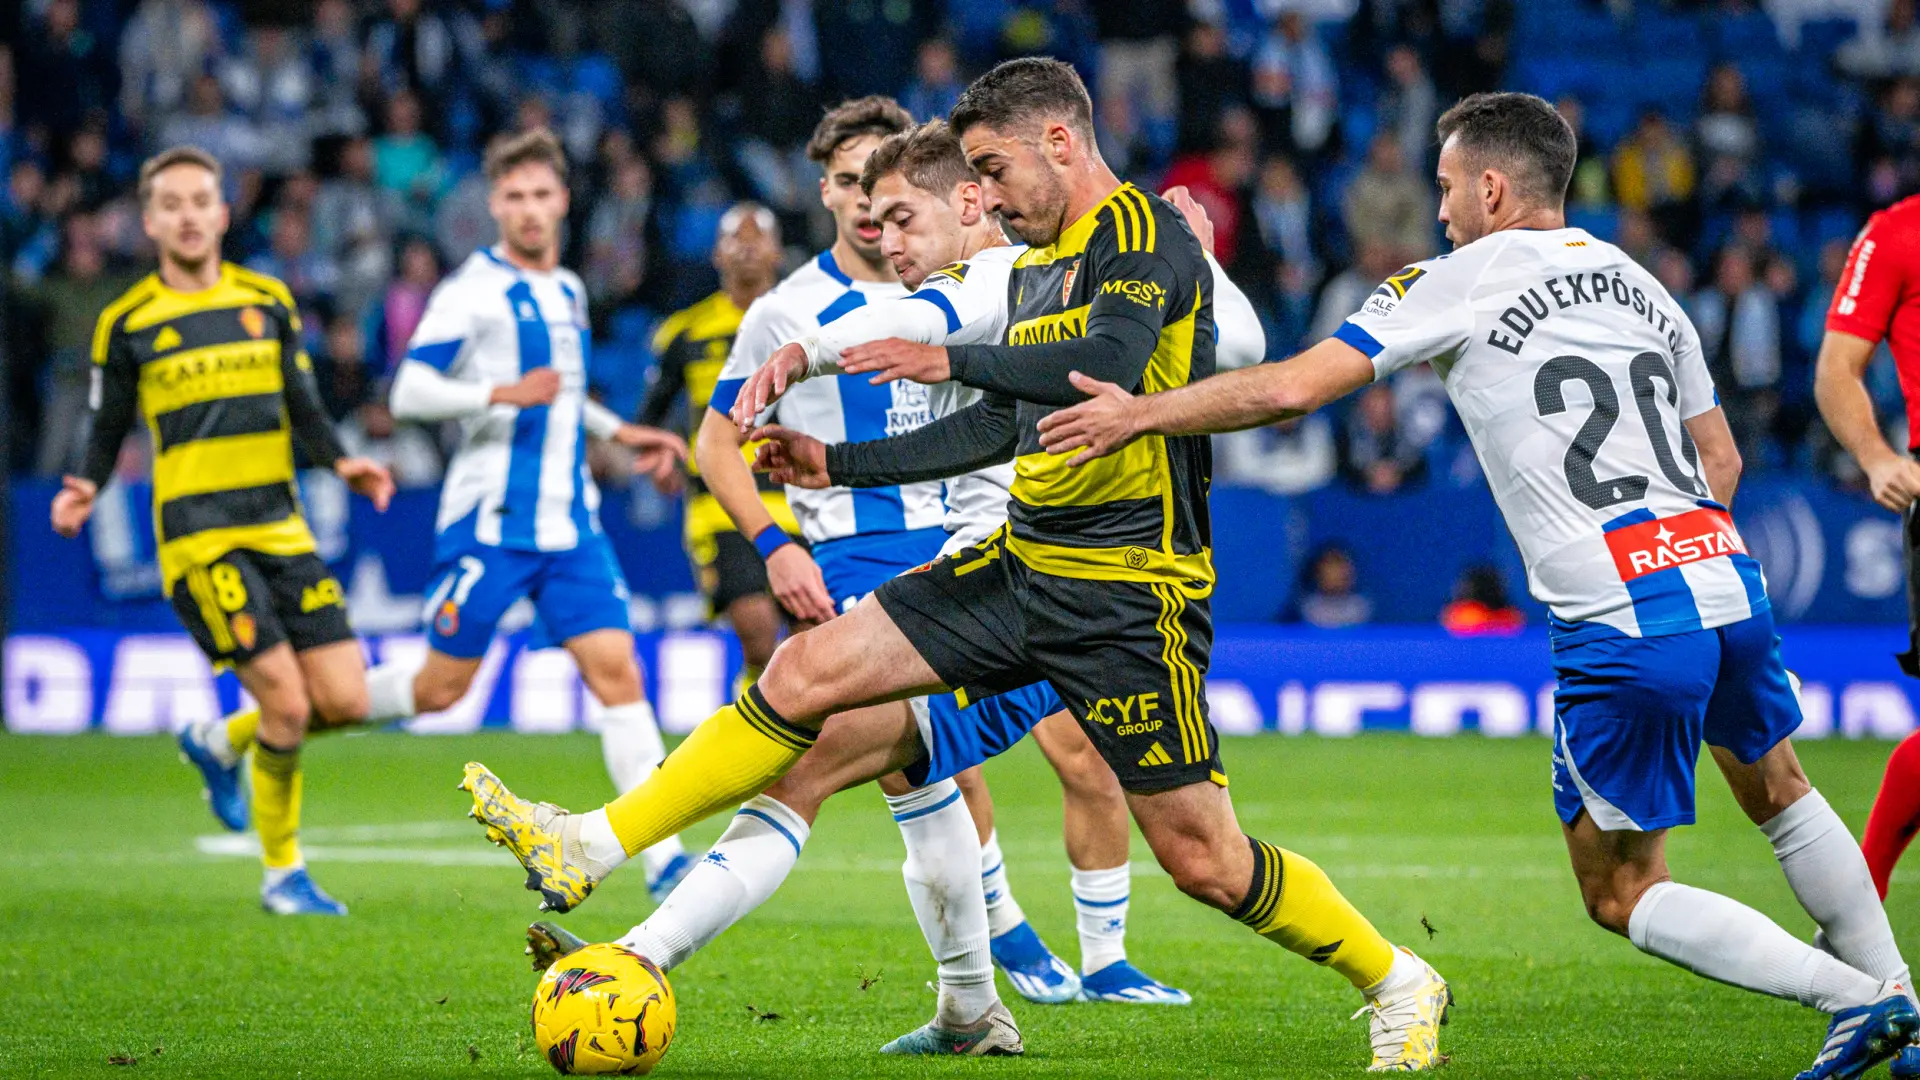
(603,1011)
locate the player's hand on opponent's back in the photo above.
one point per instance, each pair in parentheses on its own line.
(787,365)
(73,505)
(1096,427)
(789,457)
(1196,215)
(658,454)
(891,359)
(537,387)
(368,477)
(1895,482)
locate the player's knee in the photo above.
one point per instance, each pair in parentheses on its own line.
(435,695)
(795,682)
(614,683)
(1197,871)
(284,710)
(1609,908)
(337,706)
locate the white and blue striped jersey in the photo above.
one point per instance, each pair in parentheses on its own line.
(520,473)
(844,408)
(1574,372)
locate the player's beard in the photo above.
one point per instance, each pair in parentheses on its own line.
(1042,220)
(537,255)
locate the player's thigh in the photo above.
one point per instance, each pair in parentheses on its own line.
(607,664)
(580,591)
(1628,718)
(962,615)
(1129,659)
(1754,708)
(468,591)
(336,677)
(228,606)
(860,658)
(1614,867)
(1197,839)
(854,747)
(274,679)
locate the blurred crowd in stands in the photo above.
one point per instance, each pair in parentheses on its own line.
(1734,148)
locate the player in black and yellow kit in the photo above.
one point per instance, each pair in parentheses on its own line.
(1099,583)
(691,347)
(208,354)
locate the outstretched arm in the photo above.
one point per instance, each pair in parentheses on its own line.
(1234,401)
(977,436)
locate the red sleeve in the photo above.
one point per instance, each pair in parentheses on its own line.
(1875,278)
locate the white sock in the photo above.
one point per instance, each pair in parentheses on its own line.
(1723,939)
(631,745)
(1003,911)
(746,865)
(390,692)
(942,858)
(598,840)
(277,874)
(1406,968)
(1829,876)
(1100,899)
(212,734)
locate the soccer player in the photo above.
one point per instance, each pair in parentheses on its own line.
(1099,584)
(692,346)
(209,355)
(1582,385)
(503,348)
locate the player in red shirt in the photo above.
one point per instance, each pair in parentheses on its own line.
(1878,299)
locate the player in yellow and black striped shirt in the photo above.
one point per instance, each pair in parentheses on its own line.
(209,355)
(1099,585)
(691,347)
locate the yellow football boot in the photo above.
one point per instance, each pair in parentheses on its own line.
(538,836)
(1405,1022)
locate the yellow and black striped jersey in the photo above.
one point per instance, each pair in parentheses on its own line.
(222,381)
(1124,295)
(691,347)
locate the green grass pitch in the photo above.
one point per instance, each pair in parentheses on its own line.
(128,928)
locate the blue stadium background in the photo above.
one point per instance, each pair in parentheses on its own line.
(1732,147)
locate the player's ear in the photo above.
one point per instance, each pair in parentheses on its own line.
(1059,142)
(967,201)
(823,192)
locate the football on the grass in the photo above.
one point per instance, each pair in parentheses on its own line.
(603,1011)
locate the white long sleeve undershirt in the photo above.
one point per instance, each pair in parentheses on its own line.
(422,393)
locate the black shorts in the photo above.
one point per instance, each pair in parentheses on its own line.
(1129,658)
(734,571)
(245,602)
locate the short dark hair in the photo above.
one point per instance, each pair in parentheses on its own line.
(929,157)
(1521,135)
(875,114)
(1025,89)
(509,152)
(167,159)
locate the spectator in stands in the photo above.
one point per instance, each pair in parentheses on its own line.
(410,49)
(1139,48)
(365,423)
(1888,49)
(1634,234)
(1653,172)
(406,299)
(1350,288)
(340,367)
(778,112)
(1889,145)
(622,236)
(936,82)
(406,163)
(1328,595)
(1288,458)
(1377,454)
(333,58)
(1296,87)
(1216,177)
(687,169)
(1409,104)
(290,256)
(208,124)
(69,71)
(1739,325)
(1675,273)
(352,225)
(166,45)
(87,165)
(1283,212)
(1211,82)
(1388,205)
(28,233)
(1481,606)
(1729,140)
(9,126)
(1589,189)
(68,303)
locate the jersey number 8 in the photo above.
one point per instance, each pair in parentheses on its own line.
(1644,369)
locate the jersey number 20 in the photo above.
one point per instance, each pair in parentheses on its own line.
(1645,368)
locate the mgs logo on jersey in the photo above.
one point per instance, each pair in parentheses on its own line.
(1695,536)
(1145,293)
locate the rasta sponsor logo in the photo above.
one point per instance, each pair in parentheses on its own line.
(1127,715)
(1145,293)
(1663,543)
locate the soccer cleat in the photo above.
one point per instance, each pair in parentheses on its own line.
(536,834)
(661,885)
(1036,974)
(1122,982)
(1404,1026)
(1906,1064)
(1866,1035)
(549,942)
(993,1035)
(225,792)
(296,894)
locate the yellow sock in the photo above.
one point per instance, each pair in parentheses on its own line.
(731,757)
(241,729)
(1293,904)
(276,804)
(749,675)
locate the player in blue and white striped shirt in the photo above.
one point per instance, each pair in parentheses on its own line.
(504,349)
